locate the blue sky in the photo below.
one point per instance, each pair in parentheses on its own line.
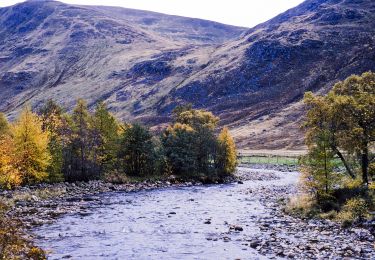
(246,13)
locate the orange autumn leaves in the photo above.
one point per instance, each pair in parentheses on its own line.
(24,155)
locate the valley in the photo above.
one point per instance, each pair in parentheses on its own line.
(143,64)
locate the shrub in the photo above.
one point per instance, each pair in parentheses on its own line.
(354,209)
(327,202)
(332,215)
(302,205)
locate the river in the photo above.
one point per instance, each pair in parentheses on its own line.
(172,223)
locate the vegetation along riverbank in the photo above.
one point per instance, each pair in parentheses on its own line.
(51,146)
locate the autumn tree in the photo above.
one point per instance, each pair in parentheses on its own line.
(355,101)
(10,176)
(226,158)
(347,116)
(4,125)
(31,147)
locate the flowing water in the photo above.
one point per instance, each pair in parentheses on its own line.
(168,223)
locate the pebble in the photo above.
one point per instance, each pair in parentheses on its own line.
(281,235)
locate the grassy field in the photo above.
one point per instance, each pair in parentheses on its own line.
(267,159)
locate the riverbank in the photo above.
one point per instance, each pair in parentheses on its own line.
(282,235)
(252,222)
(42,204)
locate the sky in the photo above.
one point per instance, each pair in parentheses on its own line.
(247,13)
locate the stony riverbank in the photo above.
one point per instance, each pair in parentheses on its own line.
(43,203)
(269,231)
(282,235)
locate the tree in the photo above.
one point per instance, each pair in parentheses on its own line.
(318,166)
(196,118)
(355,99)
(347,115)
(323,119)
(9,174)
(190,143)
(4,125)
(53,123)
(179,149)
(226,158)
(203,123)
(31,147)
(80,163)
(137,151)
(106,138)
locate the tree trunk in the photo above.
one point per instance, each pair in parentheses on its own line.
(346,165)
(365,164)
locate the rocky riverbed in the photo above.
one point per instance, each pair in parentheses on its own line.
(286,236)
(166,220)
(44,203)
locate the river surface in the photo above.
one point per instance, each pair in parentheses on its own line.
(170,223)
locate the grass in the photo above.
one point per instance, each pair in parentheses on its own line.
(32,195)
(276,160)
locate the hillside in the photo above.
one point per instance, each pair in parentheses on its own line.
(143,64)
(269,68)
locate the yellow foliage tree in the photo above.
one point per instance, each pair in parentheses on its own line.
(4,125)
(9,174)
(31,147)
(227,154)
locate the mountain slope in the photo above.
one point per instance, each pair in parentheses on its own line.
(188,30)
(53,50)
(142,66)
(271,66)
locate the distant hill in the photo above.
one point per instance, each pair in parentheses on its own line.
(143,64)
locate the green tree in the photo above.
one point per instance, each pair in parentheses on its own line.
(137,151)
(203,123)
(53,123)
(106,138)
(81,165)
(31,147)
(179,149)
(318,166)
(190,144)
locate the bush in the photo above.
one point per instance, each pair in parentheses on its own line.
(354,209)
(116,177)
(331,215)
(303,206)
(327,202)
